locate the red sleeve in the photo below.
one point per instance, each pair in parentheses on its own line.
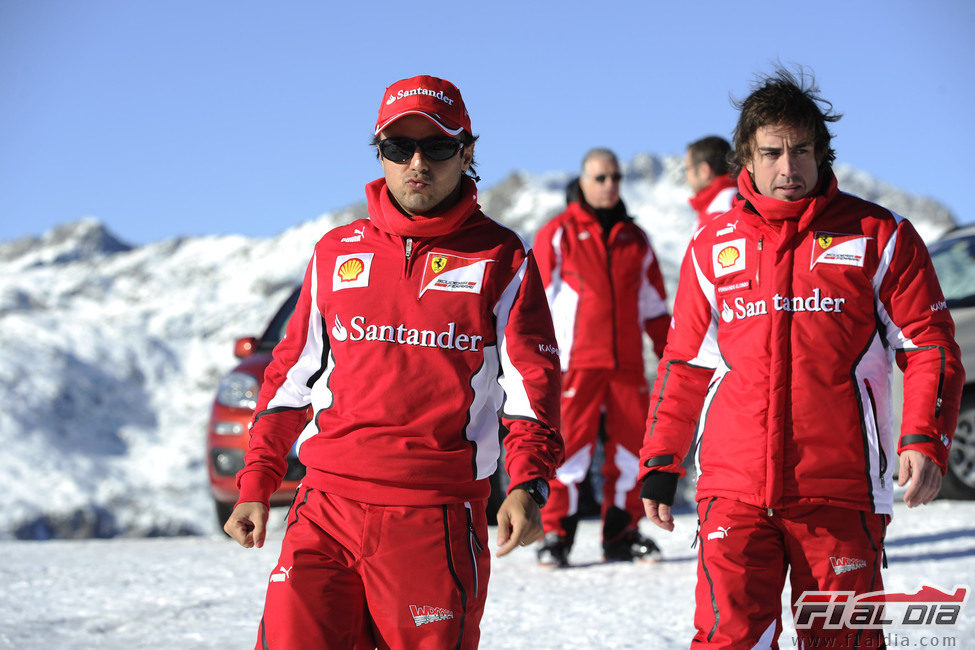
(281,411)
(683,375)
(653,303)
(920,329)
(657,329)
(544,252)
(530,377)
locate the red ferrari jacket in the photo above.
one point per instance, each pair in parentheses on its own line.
(715,199)
(603,290)
(407,347)
(787,319)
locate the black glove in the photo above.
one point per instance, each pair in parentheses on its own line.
(660,487)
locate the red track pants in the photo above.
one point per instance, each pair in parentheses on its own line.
(745,553)
(355,575)
(586,394)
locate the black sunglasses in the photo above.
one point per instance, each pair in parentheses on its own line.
(601,178)
(437,148)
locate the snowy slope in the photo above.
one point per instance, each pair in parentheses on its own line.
(109,354)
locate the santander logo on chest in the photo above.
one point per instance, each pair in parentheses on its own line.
(446,272)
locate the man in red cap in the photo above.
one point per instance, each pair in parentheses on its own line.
(414,330)
(707,171)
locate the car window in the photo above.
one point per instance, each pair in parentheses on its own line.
(275,331)
(954,262)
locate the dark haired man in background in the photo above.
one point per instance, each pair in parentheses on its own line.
(414,329)
(706,170)
(791,308)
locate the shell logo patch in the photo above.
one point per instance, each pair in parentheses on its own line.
(446,272)
(845,250)
(728,257)
(351,271)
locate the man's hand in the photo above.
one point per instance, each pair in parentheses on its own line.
(519,522)
(659,513)
(248,524)
(925,478)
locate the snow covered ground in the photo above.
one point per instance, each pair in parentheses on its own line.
(207,592)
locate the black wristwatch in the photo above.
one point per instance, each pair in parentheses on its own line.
(537,488)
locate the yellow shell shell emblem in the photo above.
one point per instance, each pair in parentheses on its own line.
(728,256)
(824,241)
(437,263)
(351,269)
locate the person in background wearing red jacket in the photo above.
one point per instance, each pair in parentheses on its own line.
(790,311)
(706,170)
(605,289)
(414,330)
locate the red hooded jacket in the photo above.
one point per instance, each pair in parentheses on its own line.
(787,319)
(603,291)
(408,338)
(715,199)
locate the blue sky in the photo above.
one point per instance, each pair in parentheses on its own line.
(188,118)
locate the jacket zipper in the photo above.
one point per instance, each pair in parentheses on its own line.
(876,428)
(475,548)
(408,250)
(758,265)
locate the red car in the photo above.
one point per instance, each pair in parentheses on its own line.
(233,408)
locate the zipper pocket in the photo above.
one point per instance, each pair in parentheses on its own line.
(474,540)
(876,428)
(475,546)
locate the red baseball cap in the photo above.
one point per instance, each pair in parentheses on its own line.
(436,99)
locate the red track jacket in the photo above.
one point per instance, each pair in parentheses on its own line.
(715,199)
(786,321)
(602,291)
(407,348)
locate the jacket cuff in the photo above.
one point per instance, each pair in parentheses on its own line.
(932,447)
(660,487)
(255,486)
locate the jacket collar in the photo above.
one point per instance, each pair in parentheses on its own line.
(788,216)
(387,217)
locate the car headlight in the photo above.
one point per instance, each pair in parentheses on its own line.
(239,390)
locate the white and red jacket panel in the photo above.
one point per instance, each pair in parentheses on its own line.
(603,291)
